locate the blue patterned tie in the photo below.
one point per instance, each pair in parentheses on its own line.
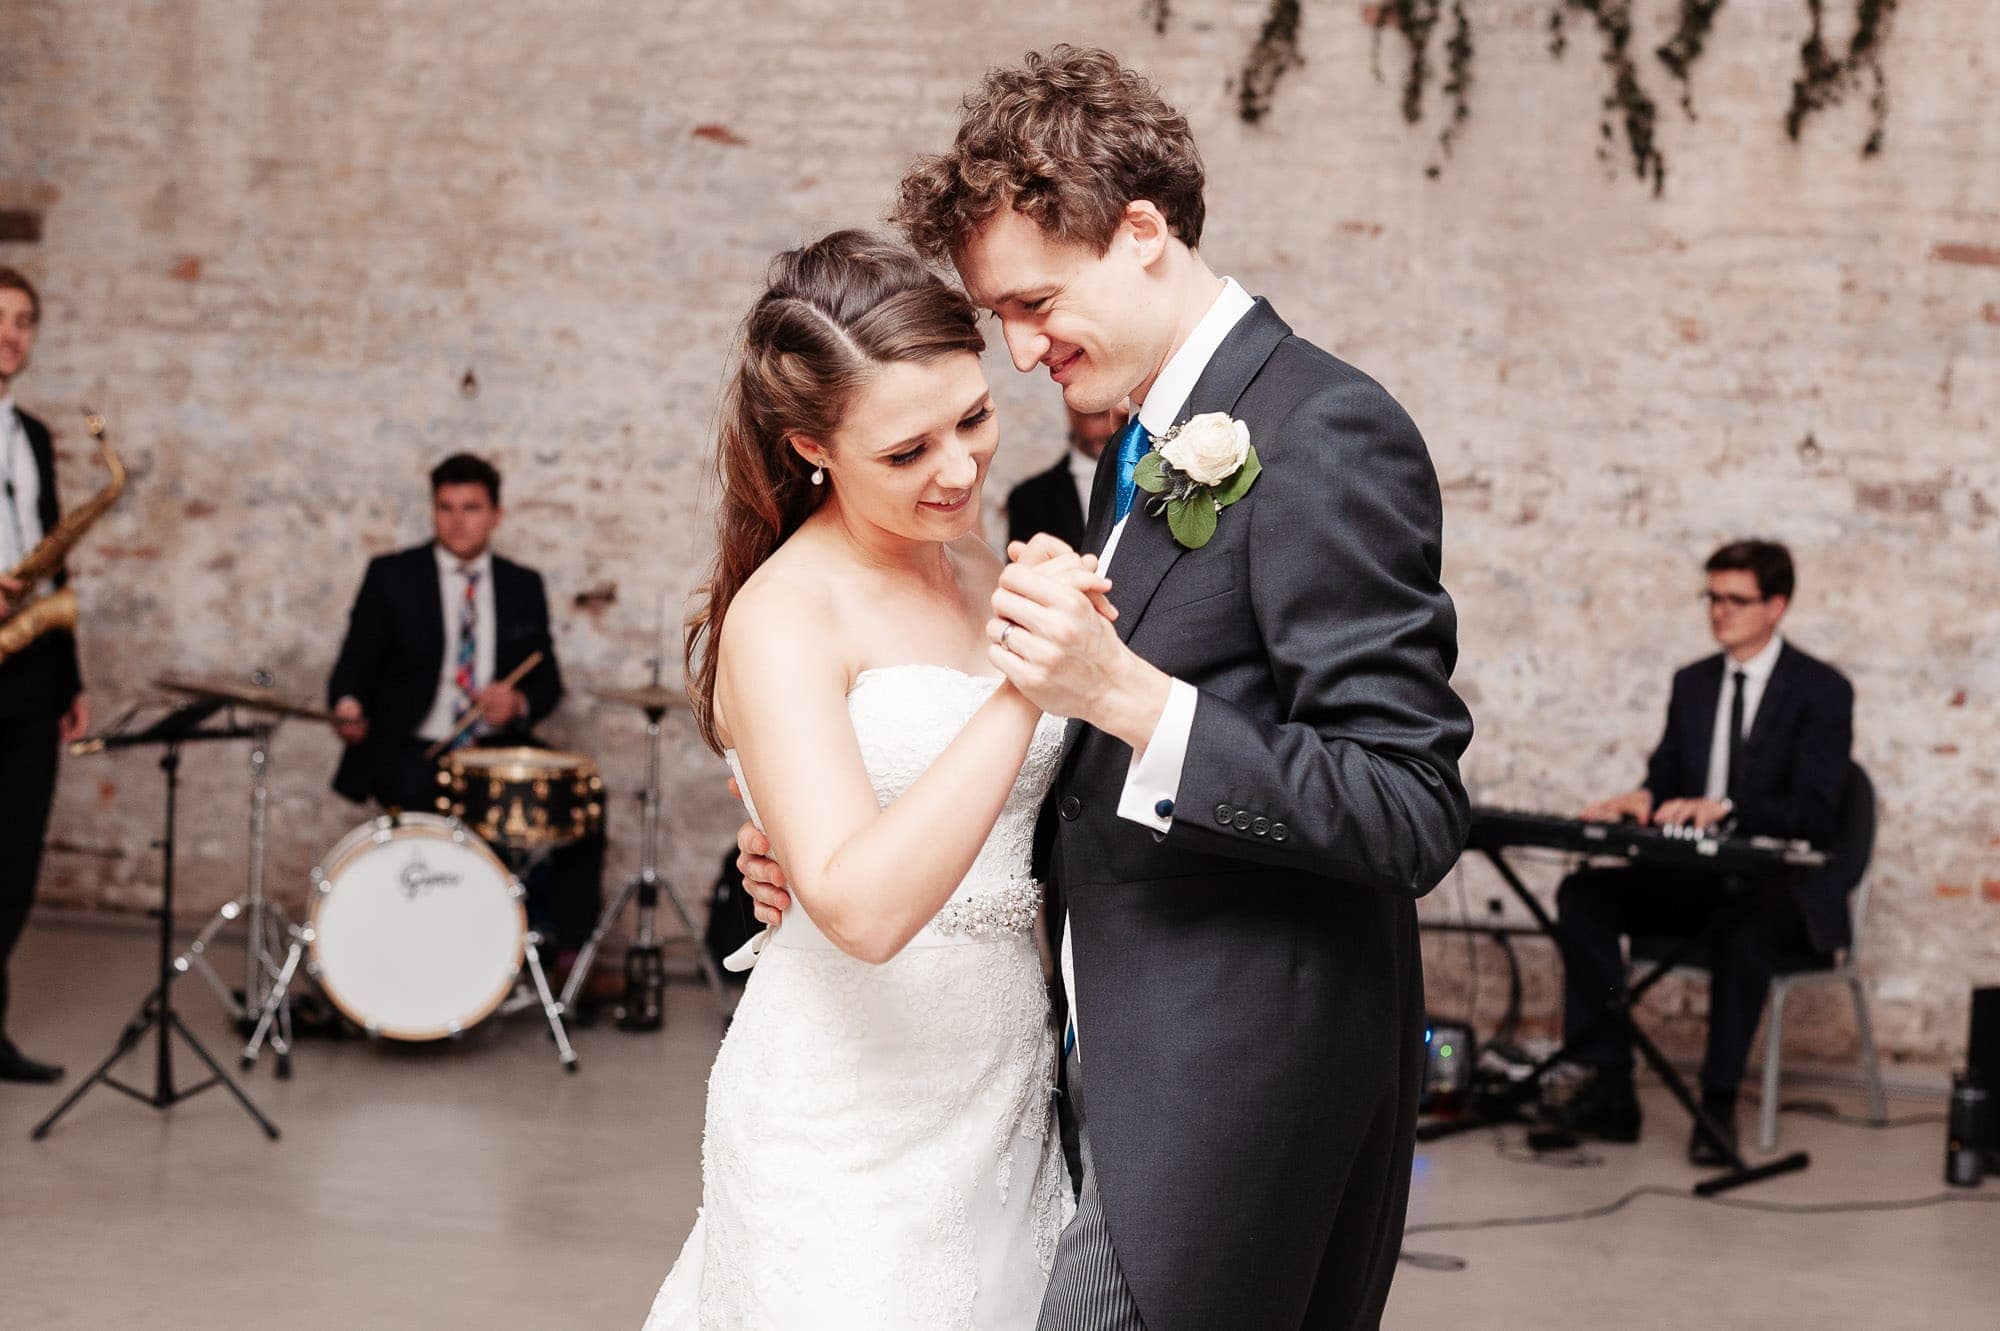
(465,668)
(1133,444)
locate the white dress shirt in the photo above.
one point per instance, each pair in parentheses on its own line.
(1155,771)
(1083,475)
(1756,674)
(20,524)
(439,721)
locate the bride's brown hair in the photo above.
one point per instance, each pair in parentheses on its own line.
(832,312)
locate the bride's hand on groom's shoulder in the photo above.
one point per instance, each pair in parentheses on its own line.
(1052,556)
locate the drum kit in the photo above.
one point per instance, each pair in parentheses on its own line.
(416,927)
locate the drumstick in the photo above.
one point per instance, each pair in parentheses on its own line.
(471,716)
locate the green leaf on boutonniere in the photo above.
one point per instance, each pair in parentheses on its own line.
(1233,489)
(1192,521)
(1150,474)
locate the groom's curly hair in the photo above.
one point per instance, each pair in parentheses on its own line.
(1068,138)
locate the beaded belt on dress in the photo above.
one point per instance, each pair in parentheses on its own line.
(1003,912)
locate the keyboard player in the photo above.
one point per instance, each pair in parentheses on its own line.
(1756,739)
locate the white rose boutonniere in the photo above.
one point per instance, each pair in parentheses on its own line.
(1196,470)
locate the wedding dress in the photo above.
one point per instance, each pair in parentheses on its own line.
(880,1148)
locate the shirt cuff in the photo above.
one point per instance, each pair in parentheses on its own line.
(1154,778)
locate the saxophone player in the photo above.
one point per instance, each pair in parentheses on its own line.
(42,703)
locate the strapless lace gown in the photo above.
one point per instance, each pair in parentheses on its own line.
(880,1148)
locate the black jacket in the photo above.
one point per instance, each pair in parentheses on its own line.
(43,678)
(1046,502)
(394,653)
(1795,765)
(1248,986)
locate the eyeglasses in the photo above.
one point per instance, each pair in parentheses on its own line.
(1734,602)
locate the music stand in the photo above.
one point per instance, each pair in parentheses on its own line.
(182,725)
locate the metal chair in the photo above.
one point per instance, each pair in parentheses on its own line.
(1854,846)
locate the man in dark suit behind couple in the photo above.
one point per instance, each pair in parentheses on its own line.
(1261,774)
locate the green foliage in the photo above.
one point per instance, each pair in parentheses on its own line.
(1627,108)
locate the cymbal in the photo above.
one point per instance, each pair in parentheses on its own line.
(244,695)
(647,697)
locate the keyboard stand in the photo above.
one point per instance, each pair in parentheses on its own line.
(1506,1107)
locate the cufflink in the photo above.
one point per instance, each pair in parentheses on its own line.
(1164,809)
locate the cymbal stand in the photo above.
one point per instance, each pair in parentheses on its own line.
(265,930)
(645,976)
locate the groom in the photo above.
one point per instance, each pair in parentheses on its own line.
(1261,774)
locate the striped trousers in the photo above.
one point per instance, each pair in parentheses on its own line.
(1087,1290)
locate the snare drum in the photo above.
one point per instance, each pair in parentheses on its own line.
(522,798)
(418,931)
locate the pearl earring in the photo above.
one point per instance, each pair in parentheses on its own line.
(819,475)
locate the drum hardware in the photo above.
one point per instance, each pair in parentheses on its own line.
(418,931)
(471,717)
(645,973)
(266,927)
(525,799)
(156,1013)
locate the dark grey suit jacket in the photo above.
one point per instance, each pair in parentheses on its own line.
(1248,984)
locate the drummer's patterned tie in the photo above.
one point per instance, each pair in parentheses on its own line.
(464,673)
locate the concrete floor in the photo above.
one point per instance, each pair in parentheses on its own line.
(476,1185)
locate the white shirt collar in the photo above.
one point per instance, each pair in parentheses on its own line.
(1079,465)
(449,562)
(7,403)
(1760,666)
(1178,377)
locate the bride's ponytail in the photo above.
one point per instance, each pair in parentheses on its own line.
(833,311)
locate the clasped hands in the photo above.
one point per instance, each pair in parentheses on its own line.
(1051,635)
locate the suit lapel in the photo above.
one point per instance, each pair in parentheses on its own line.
(429,604)
(1777,693)
(1706,701)
(1147,551)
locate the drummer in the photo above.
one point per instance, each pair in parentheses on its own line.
(434,634)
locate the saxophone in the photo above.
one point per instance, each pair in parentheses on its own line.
(31,617)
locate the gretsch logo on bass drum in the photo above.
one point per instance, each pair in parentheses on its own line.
(419,878)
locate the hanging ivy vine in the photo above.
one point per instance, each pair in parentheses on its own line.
(1824,78)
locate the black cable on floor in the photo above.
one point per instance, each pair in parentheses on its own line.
(1432,1261)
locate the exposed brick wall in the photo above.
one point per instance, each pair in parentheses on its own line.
(299,252)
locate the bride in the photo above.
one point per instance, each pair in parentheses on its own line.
(880,1147)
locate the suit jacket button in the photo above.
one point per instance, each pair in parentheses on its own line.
(1279,831)
(1164,809)
(1070,807)
(1223,813)
(1241,822)
(1260,826)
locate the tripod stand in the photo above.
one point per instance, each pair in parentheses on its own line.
(645,975)
(156,1014)
(264,931)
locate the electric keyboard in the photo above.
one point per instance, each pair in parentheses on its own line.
(1497,829)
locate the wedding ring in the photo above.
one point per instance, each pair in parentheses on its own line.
(1003,637)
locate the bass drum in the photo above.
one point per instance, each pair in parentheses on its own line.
(418,931)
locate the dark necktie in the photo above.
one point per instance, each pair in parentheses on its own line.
(1735,733)
(1133,444)
(465,667)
